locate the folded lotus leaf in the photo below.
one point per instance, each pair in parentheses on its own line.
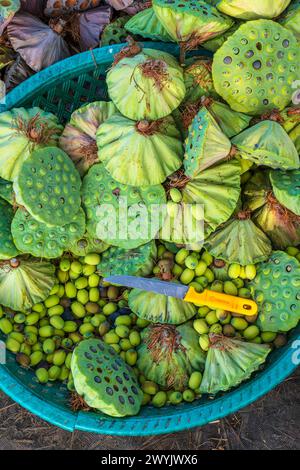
(239,241)
(120,215)
(25,282)
(191,21)
(286,188)
(257,190)
(37,43)
(137,262)
(151,78)
(253,9)
(231,122)
(21,132)
(78,139)
(7,247)
(291,18)
(267,144)
(198,80)
(159,308)
(168,354)
(139,153)
(229,362)
(218,190)
(205,145)
(48,186)
(244,67)
(146,24)
(276,291)
(90,25)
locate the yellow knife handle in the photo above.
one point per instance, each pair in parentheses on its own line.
(217,300)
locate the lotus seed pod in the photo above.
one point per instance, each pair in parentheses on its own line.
(159,308)
(168,354)
(96,367)
(114,32)
(229,362)
(239,241)
(137,262)
(245,10)
(285,187)
(57,186)
(78,139)
(290,19)
(151,78)
(7,247)
(41,240)
(267,144)
(146,24)
(151,139)
(254,50)
(275,289)
(86,245)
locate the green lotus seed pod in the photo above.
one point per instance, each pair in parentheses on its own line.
(110,308)
(125,344)
(159,399)
(44,322)
(57,322)
(62,276)
(94,294)
(64,373)
(135,338)
(83,296)
(12,345)
(37,347)
(200,268)
(81,283)
(42,375)
(230,288)
(5,326)
(93,307)
(61,291)
(70,326)
(17,336)
(131,357)
(195,380)
(78,309)
(71,290)
(187,276)
(151,388)
(86,328)
(40,308)
(46,331)
(204,342)
(211,318)
(25,349)
(200,326)
(68,360)
(76,267)
(35,358)
(52,301)
(104,328)
(245,293)
(94,280)
(234,271)
(123,320)
(203,311)
(250,271)
(54,289)
(65,264)
(188,395)
(239,324)
(111,337)
(177,270)
(146,399)
(292,250)
(268,336)
(88,270)
(49,346)
(92,259)
(112,292)
(217,286)
(209,275)
(175,195)
(251,332)
(30,338)
(191,262)
(181,256)
(55,311)
(59,357)
(175,398)
(216,329)
(256,340)
(207,257)
(239,283)
(142,323)
(54,373)
(198,287)
(122,331)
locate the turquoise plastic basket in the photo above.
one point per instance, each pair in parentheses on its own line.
(61,89)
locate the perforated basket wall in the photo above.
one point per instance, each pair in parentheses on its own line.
(61,89)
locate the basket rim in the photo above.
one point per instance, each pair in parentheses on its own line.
(178,419)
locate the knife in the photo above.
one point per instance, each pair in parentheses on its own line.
(209,298)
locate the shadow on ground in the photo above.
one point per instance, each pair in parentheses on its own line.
(270,423)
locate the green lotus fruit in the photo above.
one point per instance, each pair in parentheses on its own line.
(291,18)
(267,144)
(138,262)
(295,137)
(78,139)
(8,8)
(246,66)
(198,79)
(286,188)
(159,308)
(152,79)
(280,224)
(168,354)
(239,241)
(139,153)
(6,55)
(276,291)
(48,185)
(146,24)
(191,23)
(220,270)
(104,380)
(6,191)
(218,190)
(25,282)
(229,362)
(253,9)
(114,32)
(86,244)
(121,215)
(44,241)
(214,44)
(7,247)
(21,132)
(205,145)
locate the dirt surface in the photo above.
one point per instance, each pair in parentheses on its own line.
(273,422)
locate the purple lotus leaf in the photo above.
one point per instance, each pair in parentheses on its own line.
(38,44)
(35,7)
(17,73)
(91,24)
